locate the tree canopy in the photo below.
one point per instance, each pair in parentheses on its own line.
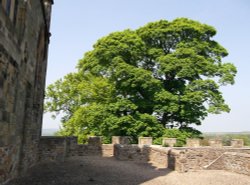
(140,82)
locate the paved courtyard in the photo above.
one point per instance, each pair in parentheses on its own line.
(108,171)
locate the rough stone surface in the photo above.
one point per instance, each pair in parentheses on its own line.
(232,161)
(95,141)
(193,142)
(53,148)
(156,155)
(145,141)
(24,39)
(123,140)
(192,159)
(185,159)
(237,143)
(169,141)
(181,159)
(91,170)
(215,142)
(139,153)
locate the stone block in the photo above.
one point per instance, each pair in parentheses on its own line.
(94,141)
(192,142)
(122,140)
(4,129)
(107,150)
(2,103)
(72,142)
(237,143)
(4,141)
(169,141)
(52,148)
(6,116)
(145,140)
(215,143)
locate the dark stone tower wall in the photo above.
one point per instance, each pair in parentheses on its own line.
(24,39)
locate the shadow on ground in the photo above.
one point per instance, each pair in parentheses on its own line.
(90,171)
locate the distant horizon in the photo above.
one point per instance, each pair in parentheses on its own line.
(246,131)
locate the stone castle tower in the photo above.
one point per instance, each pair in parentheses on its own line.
(24,39)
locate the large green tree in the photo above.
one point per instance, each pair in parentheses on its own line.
(138,82)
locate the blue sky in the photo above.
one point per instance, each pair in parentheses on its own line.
(76,25)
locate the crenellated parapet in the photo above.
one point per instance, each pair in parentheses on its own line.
(181,159)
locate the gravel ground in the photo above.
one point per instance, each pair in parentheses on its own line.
(108,171)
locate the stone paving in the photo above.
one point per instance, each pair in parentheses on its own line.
(109,171)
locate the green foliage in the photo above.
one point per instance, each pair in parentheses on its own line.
(182,134)
(157,141)
(137,83)
(166,145)
(179,144)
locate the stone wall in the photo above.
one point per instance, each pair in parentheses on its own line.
(104,150)
(158,156)
(24,39)
(215,142)
(193,142)
(53,148)
(169,141)
(155,155)
(185,159)
(232,161)
(145,141)
(137,153)
(93,148)
(123,140)
(237,143)
(191,159)
(181,159)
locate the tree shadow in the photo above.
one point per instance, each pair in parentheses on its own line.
(65,162)
(89,170)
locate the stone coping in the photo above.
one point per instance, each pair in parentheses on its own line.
(237,154)
(159,146)
(211,147)
(57,137)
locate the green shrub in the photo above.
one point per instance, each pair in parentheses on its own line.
(178,144)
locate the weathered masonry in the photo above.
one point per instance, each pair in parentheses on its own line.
(192,157)
(24,38)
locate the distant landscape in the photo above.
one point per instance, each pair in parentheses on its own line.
(224,133)
(49,132)
(226,137)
